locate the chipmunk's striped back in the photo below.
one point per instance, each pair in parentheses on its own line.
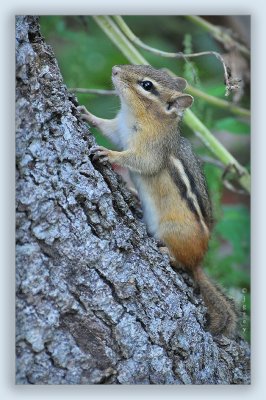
(186,171)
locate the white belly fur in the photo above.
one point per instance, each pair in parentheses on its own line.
(125,123)
(148,206)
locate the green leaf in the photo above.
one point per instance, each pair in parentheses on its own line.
(232,125)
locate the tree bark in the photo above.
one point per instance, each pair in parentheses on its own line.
(96,301)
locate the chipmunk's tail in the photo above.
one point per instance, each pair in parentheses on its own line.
(222,312)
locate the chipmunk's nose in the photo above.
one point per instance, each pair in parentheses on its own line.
(115,70)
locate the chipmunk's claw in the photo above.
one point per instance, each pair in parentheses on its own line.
(82,109)
(99,153)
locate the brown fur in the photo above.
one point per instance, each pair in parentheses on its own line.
(223,317)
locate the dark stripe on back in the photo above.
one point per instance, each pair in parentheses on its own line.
(182,189)
(194,190)
(193,170)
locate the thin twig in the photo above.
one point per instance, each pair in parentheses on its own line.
(229,84)
(229,185)
(104,92)
(219,34)
(210,160)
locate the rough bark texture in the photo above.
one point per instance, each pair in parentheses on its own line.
(96,301)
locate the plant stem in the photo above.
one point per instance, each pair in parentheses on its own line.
(216,147)
(114,33)
(190,119)
(133,38)
(218,33)
(215,101)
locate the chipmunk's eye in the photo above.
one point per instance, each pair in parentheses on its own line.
(147,85)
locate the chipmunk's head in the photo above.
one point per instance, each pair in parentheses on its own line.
(149,91)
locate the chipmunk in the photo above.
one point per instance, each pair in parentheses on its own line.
(166,173)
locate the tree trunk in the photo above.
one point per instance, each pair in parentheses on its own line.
(96,301)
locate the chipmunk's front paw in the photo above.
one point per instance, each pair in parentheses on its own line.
(82,109)
(100,153)
(86,115)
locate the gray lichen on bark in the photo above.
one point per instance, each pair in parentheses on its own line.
(96,301)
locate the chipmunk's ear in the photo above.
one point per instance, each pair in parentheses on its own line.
(180,103)
(184,101)
(181,83)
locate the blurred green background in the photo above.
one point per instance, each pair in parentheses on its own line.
(86,56)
